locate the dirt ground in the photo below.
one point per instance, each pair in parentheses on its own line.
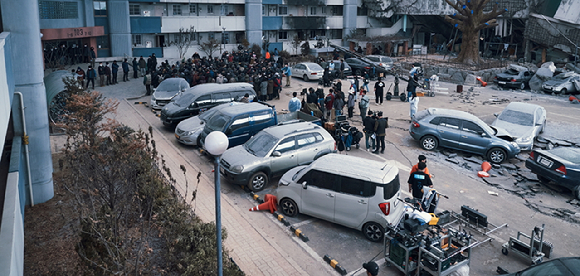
(50,234)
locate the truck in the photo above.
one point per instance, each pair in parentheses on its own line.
(240,122)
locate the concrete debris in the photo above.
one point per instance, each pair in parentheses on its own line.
(496,101)
(465,165)
(493,193)
(452,160)
(496,166)
(529,176)
(452,155)
(473,159)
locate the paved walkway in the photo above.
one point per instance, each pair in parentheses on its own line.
(256,242)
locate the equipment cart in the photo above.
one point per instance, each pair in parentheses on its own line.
(453,252)
(400,255)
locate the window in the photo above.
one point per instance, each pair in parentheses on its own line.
(450,123)
(286,145)
(323,180)
(240,122)
(222,97)
(336,10)
(312,10)
(471,128)
(192,9)
(103,42)
(209,8)
(60,9)
(263,10)
(202,101)
(282,10)
(323,10)
(391,189)
(134,9)
(136,39)
(176,9)
(210,36)
(262,117)
(283,35)
(304,140)
(224,9)
(358,187)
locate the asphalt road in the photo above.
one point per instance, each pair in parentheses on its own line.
(521,213)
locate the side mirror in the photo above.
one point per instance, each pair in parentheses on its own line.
(276,153)
(304,186)
(495,114)
(483,134)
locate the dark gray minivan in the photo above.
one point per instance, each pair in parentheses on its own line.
(203,97)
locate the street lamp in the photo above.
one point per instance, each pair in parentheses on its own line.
(223,40)
(216,143)
(327,40)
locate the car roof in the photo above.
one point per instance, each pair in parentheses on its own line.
(453,113)
(173,80)
(244,108)
(281,131)
(208,88)
(523,107)
(375,171)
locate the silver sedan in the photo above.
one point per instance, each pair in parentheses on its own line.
(523,121)
(307,71)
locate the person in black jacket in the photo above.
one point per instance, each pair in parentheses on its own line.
(380,132)
(413,83)
(369,130)
(419,179)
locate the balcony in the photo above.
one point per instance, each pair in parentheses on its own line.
(305,22)
(203,23)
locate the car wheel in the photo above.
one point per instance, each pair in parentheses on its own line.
(429,143)
(289,207)
(496,155)
(357,72)
(258,181)
(523,86)
(373,231)
(564,91)
(577,192)
(305,77)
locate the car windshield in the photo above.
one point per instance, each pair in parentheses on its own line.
(517,117)
(566,153)
(184,100)
(170,85)
(260,144)
(218,122)
(208,114)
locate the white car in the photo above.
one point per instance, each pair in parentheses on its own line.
(351,191)
(307,71)
(523,121)
(166,90)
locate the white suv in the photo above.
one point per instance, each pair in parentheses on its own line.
(347,190)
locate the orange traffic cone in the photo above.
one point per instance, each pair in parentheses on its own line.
(483,83)
(270,203)
(485,166)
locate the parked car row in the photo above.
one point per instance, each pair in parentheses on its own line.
(518,77)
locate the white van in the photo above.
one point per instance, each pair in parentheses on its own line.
(351,191)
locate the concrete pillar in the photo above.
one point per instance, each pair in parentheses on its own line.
(254,22)
(119,27)
(88,11)
(349,18)
(28,71)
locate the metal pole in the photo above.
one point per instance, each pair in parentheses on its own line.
(218,221)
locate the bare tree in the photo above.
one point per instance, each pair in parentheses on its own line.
(470,19)
(296,42)
(209,47)
(183,40)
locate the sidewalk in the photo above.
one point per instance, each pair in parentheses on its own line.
(256,241)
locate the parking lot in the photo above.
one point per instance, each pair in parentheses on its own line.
(511,197)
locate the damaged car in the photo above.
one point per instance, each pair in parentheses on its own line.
(560,165)
(523,121)
(515,77)
(460,130)
(562,83)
